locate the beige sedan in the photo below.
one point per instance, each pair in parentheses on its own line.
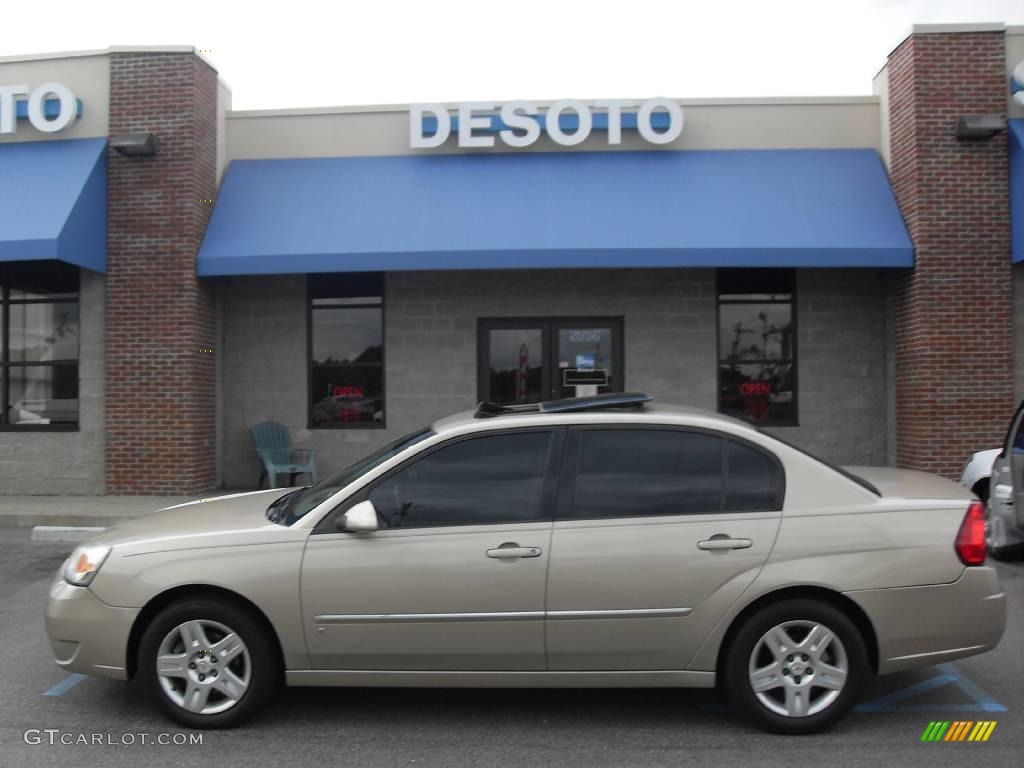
(599,542)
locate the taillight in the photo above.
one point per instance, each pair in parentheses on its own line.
(970,539)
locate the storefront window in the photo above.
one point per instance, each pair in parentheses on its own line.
(757,345)
(39,360)
(346,350)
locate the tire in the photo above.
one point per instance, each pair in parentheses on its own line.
(234,687)
(823,706)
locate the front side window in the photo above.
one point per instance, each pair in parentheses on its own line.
(623,473)
(346,350)
(757,345)
(40,335)
(478,481)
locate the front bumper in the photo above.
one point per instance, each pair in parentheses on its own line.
(921,626)
(86,634)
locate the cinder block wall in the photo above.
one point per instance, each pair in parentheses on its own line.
(954,311)
(431,347)
(161,398)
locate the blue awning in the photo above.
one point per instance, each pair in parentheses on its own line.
(749,208)
(1017,189)
(53,201)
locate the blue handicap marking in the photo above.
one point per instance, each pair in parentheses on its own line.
(65,685)
(950,675)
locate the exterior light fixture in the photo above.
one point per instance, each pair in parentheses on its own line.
(134,144)
(979,127)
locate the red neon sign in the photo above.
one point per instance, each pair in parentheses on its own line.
(347,392)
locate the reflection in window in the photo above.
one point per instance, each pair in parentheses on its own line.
(515,365)
(756,345)
(484,480)
(40,327)
(346,374)
(644,472)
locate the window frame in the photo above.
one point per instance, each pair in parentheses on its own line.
(382,306)
(551,485)
(5,353)
(793,360)
(570,464)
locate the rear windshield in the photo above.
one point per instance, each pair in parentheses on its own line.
(834,467)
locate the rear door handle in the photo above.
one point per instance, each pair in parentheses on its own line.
(715,544)
(511,549)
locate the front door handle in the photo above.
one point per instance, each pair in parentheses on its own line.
(721,542)
(510,549)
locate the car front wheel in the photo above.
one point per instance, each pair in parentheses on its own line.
(207,663)
(796,667)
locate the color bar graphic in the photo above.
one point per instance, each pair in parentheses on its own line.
(958,730)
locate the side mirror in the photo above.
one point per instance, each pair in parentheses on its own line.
(361,518)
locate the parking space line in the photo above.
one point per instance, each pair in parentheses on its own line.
(968,686)
(887,701)
(65,685)
(950,676)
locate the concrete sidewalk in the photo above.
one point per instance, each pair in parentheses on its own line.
(90,511)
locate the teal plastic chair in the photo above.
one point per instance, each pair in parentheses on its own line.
(274,446)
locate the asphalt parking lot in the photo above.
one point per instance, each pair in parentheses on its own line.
(361,727)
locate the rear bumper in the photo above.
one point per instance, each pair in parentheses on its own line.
(86,634)
(920,626)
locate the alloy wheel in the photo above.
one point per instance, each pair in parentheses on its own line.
(798,668)
(203,666)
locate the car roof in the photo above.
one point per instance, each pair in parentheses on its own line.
(647,413)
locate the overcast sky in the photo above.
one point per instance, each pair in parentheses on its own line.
(301,53)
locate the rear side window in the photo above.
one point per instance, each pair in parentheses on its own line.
(621,473)
(754,480)
(642,472)
(479,481)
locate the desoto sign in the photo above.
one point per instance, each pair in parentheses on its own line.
(520,123)
(51,107)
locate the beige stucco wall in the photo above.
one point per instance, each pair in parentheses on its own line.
(849,122)
(880,87)
(223,107)
(1014,56)
(88,77)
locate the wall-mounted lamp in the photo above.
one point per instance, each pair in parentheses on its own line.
(979,127)
(134,144)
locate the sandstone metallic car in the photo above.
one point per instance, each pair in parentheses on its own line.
(597,542)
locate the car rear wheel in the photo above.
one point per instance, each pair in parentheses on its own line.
(796,667)
(207,663)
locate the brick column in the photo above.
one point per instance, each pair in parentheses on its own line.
(161,398)
(953,312)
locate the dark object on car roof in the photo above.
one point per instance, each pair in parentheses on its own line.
(569,405)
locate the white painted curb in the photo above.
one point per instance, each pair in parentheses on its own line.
(64,532)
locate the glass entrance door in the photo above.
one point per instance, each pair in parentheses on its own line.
(529,360)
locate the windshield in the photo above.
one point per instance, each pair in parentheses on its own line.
(292,506)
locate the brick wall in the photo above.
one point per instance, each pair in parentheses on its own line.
(953,312)
(161,402)
(430,336)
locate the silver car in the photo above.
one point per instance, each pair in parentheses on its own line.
(1005,524)
(597,542)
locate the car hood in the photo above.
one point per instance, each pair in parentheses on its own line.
(911,484)
(221,520)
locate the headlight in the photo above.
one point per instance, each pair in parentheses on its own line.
(83,564)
